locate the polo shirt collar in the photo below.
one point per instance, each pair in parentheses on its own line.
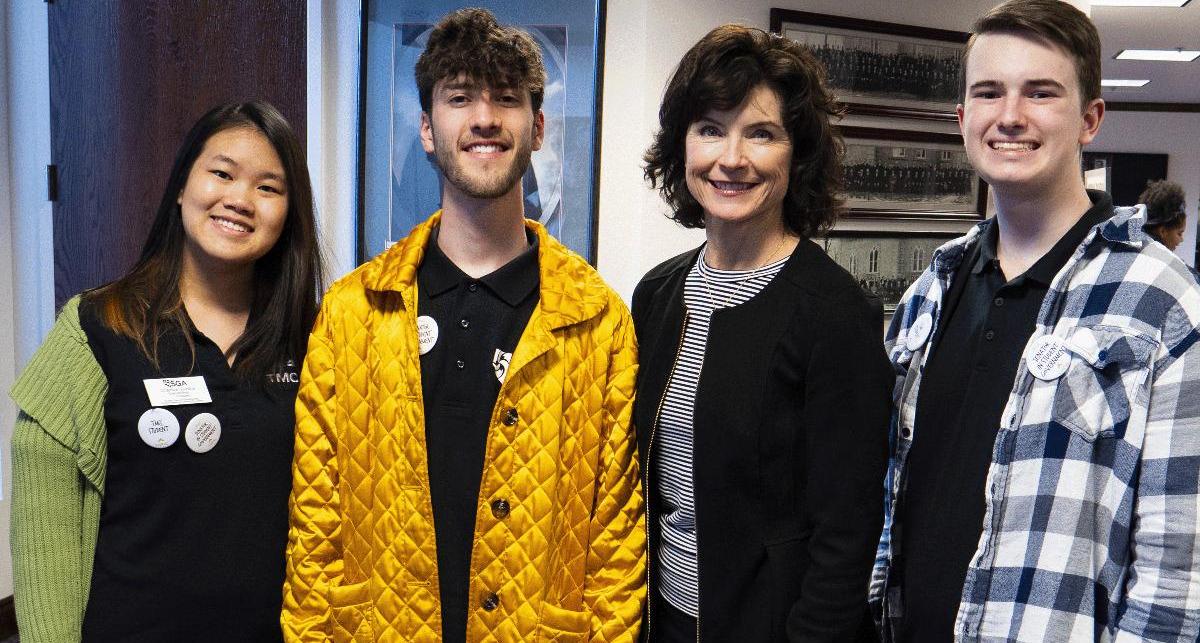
(1044,270)
(512,282)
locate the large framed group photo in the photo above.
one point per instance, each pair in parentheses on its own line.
(399,186)
(882,68)
(907,174)
(908,185)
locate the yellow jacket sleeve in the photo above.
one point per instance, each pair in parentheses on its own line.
(615,578)
(314,560)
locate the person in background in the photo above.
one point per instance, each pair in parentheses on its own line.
(151,456)
(763,395)
(465,465)
(1166,220)
(1043,480)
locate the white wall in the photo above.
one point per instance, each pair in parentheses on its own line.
(334,29)
(1177,135)
(26,271)
(7,336)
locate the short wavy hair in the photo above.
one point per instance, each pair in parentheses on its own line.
(471,42)
(1164,204)
(718,73)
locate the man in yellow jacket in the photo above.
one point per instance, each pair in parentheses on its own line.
(465,468)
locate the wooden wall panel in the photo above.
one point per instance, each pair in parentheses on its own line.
(127,79)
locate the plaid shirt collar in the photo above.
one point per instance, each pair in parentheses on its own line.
(1079,461)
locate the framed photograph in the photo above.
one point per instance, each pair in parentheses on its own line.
(885,263)
(399,184)
(882,68)
(903,174)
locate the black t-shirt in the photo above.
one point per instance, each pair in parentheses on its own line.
(191,545)
(479,322)
(986,322)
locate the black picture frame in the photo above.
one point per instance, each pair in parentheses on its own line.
(882,68)
(885,262)
(910,175)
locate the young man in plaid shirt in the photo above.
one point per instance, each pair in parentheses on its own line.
(1043,483)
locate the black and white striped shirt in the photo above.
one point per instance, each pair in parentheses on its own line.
(705,290)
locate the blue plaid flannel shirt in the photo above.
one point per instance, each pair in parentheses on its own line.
(1091,531)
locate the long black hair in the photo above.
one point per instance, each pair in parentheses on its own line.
(287,280)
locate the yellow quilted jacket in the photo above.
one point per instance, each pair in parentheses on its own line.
(565,563)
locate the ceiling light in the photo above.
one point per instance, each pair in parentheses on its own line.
(1122,82)
(1173,55)
(1139,3)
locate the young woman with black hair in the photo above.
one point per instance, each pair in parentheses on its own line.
(152,454)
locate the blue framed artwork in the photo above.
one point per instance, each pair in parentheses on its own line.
(400,186)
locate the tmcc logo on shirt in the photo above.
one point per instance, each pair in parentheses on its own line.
(287,375)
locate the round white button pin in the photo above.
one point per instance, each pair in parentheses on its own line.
(202,433)
(918,333)
(1048,357)
(427,333)
(159,428)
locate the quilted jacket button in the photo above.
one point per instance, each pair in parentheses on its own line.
(491,602)
(510,417)
(500,508)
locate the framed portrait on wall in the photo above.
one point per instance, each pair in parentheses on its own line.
(882,68)
(399,184)
(905,174)
(885,263)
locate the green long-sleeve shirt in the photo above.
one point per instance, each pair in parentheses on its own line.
(59,455)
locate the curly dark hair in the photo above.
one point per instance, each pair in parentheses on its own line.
(718,73)
(1164,203)
(472,43)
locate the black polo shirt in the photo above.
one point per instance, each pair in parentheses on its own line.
(191,545)
(986,322)
(479,322)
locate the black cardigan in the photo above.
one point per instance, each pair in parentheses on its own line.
(790,447)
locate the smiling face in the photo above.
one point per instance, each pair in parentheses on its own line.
(1023,120)
(737,161)
(234,203)
(481,137)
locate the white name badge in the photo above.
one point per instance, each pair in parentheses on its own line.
(158,428)
(918,333)
(173,391)
(202,433)
(1048,357)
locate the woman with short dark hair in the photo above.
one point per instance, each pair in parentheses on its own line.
(763,392)
(152,454)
